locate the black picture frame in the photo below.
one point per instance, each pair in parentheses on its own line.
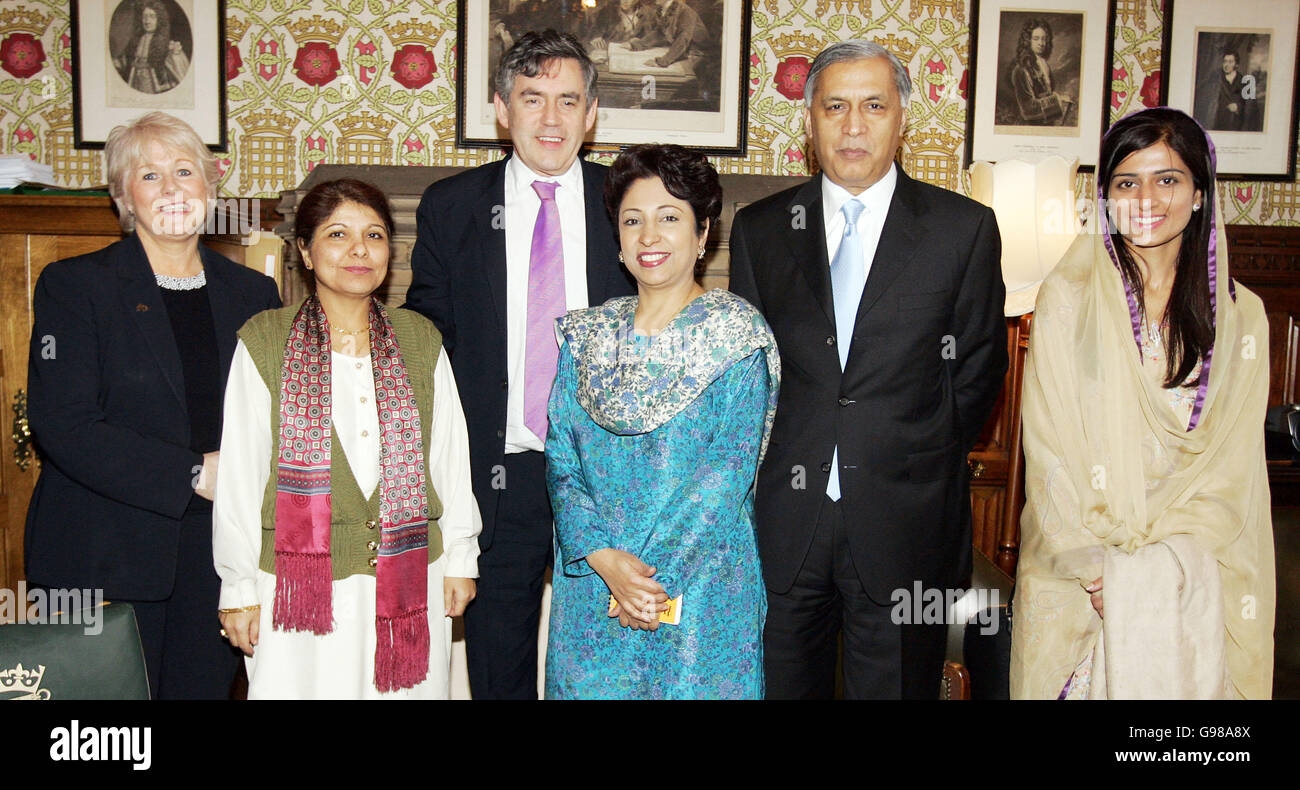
(1278,164)
(1085,145)
(98,47)
(720,131)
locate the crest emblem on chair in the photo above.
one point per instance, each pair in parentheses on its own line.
(19,683)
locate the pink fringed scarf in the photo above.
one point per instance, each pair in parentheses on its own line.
(303,570)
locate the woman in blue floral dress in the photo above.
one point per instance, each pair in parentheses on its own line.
(659,416)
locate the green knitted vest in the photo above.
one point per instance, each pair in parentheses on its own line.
(354,531)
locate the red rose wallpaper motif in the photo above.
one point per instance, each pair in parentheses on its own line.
(233,61)
(413,66)
(317,63)
(1150,92)
(22,55)
(791,74)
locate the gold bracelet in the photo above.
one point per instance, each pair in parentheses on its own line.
(240,609)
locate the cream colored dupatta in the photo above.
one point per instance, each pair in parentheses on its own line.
(1110,468)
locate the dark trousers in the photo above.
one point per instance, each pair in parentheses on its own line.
(881,660)
(183,649)
(501,622)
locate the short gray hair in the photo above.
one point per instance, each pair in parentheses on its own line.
(857,49)
(127,148)
(533,52)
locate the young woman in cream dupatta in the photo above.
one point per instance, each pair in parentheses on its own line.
(1146,567)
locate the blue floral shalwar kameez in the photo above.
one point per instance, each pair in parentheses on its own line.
(653,448)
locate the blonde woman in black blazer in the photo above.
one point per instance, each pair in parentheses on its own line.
(129,355)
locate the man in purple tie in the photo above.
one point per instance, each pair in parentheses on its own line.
(502,251)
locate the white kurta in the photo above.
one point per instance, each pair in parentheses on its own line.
(341,664)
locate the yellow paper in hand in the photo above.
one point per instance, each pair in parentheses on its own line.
(670,616)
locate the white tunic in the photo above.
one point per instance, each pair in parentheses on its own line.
(341,664)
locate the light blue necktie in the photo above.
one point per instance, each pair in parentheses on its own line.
(848,276)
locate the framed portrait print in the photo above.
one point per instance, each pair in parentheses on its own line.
(133,56)
(669,71)
(1234,67)
(1040,79)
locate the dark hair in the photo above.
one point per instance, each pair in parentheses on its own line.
(534,52)
(1230,51)
(686,175)
(325,198)
(159,10)
(158,45)
(1024,50)
(1191,321)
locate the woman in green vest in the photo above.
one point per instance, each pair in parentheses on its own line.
(345,528)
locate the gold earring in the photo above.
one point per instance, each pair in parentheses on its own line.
(701,255)
(620,257)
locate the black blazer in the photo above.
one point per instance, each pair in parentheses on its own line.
(925,366)
(108,413)
(458,280)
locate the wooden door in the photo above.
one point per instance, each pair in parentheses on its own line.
(34,232)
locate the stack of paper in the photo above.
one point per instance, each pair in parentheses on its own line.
(18,168)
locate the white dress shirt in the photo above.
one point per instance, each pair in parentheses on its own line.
(871,222)
(340,664)
(522,207)
(245,465)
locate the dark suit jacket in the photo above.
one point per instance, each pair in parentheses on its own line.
(108,412)
(926,364)
(458,280)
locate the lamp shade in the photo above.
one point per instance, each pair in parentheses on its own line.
(1034,205)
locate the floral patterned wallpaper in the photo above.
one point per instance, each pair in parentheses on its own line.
(372,82)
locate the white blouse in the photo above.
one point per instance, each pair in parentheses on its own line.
(245,462)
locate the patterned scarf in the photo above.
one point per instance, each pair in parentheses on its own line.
(630,388)
(303,570)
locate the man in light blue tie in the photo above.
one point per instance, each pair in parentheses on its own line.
(885,295)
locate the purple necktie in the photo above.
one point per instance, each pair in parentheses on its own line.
(545,304)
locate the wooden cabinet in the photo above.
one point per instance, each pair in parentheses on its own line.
(34,232)
(996,466)
(1267,261)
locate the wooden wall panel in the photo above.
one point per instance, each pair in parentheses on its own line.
(22,259)
(986,505)
(35,230)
